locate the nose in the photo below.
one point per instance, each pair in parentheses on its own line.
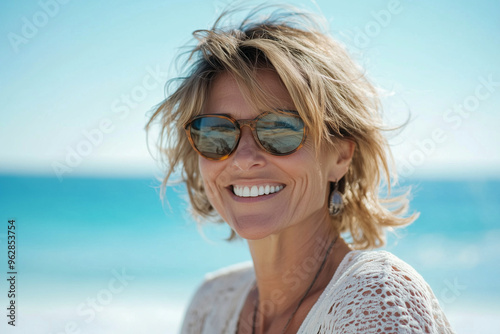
(248,154)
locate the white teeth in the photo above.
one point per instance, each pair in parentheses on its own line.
(261,190)
(254,191)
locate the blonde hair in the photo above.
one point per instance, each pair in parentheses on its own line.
(330,93)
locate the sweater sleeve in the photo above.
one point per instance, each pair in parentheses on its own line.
(382,294)
(197,310)
(215,305)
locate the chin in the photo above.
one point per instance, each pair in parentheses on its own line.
(253,227)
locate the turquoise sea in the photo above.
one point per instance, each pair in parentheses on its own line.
(101,255)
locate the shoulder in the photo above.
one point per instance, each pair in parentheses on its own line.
(375,291)
(224,288)
(219,284)
(382,275)
(230,273)
(379,265)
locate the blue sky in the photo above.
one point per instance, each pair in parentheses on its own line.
(81,77)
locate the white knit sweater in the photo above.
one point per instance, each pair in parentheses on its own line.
(371,292)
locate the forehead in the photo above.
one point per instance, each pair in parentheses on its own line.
(225,96)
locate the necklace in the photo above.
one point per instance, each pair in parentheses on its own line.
(303,297)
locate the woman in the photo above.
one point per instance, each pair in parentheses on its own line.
(277,132)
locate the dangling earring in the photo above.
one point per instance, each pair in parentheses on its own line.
(336,203)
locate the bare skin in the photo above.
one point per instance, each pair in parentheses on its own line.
(285,297)
(288,232)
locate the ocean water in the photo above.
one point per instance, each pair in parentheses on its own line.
(98,255)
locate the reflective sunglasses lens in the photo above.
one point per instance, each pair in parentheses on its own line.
(280,134)
(214,137)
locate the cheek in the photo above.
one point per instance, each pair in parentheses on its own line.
(210,172)
(206,172)
(311,176)
(313,186)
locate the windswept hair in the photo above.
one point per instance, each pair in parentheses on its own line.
(329,91)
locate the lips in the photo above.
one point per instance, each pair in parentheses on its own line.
(257,190)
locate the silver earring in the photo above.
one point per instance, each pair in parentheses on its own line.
(336,203)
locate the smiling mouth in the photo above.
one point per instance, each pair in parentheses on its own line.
(255,191)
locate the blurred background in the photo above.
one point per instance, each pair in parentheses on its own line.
(98,252)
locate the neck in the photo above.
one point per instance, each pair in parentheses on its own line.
(287,262)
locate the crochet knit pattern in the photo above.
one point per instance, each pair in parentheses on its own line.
(371,292)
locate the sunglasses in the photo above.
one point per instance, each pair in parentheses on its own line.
(216,137)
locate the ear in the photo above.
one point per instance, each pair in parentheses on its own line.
(343,152)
